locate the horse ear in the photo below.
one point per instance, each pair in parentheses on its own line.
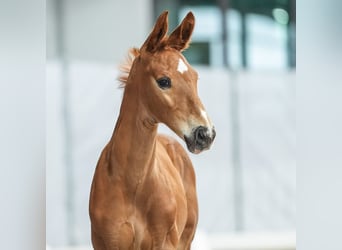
(180,37)
(159,31)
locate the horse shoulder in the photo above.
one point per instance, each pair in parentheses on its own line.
(105,195)
(179,158)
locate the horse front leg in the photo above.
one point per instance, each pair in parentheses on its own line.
(165,239)
(118,236)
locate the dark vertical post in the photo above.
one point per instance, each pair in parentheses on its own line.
(291,35)
(243,40)
(156,9)
(173,8)
(224,8)
(65,84)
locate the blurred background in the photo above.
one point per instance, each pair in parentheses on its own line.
(245,54)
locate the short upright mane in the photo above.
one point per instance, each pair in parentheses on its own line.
(125,67)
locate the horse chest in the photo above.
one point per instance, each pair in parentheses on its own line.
(159,211)
(157,222)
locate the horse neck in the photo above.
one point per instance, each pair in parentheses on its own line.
(133,141)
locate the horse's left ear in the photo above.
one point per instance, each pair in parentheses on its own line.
(180,37)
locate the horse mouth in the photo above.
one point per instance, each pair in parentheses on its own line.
(199,140)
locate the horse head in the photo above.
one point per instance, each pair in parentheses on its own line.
(167,84)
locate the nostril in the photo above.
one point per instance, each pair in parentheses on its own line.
(201,134)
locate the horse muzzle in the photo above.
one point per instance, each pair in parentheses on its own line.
(200,139)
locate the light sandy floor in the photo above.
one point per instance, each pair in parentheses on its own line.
(242,241)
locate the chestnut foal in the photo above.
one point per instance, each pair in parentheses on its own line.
(143,194)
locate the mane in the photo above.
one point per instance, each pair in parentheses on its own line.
(125,67)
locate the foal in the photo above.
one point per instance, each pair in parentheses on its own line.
(143,194)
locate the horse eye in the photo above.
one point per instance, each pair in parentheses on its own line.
(164,82)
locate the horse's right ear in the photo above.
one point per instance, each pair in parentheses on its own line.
(158,33)
(180,37)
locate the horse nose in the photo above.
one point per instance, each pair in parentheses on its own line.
(203,138)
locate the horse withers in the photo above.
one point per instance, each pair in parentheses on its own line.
(143,194)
